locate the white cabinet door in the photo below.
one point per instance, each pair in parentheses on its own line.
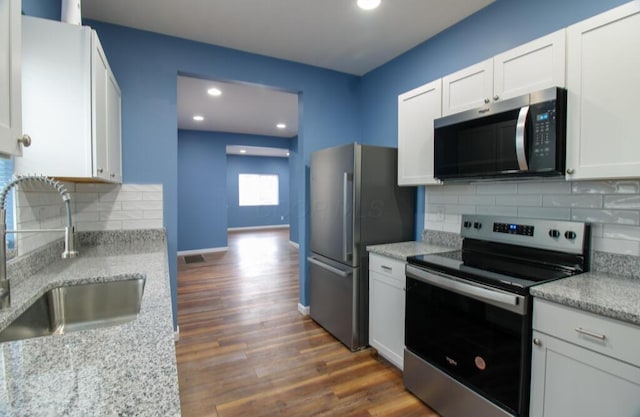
(417,110)
(99,79)
(603,83)
(107,150)
(536,65)
(468,88)
(571,381)
(114,128)
(56,99)
(10,76)
(386,307)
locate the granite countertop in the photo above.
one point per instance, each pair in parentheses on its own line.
(123,370)
(402,250)
(607,295)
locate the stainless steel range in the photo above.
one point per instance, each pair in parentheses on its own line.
(468,312)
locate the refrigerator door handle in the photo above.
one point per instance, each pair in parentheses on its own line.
(329,268)
(345,216)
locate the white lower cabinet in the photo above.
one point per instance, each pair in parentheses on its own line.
(386,307)
(583,365)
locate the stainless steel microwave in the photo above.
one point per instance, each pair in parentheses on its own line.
(520,137)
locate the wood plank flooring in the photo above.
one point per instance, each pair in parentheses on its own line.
(244,349)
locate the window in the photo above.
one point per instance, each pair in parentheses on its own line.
(258,190)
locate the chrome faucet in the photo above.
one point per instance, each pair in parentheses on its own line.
(69,231)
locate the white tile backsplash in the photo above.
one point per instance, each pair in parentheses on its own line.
(95,207)
(612,207)
(519,200)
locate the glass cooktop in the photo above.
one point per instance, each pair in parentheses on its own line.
(512,273)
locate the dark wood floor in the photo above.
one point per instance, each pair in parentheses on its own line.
(244,349)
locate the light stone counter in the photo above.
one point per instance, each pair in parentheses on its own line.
(608,295)
(402,250)
(124,370)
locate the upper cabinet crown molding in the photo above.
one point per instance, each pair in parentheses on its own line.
(71,104)
(533,66)
(10,78)
(603,84)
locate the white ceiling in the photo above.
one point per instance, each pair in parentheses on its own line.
(333,34)
(241,108)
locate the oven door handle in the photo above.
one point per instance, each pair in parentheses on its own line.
(511,302)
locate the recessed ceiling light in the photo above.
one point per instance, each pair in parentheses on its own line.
(243,151)
(287,153)
(281,125)
(368,4)
(214,92)
(198,118)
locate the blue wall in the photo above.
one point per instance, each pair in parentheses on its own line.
(248,216)
(202,184)
(146,66)
(46,9)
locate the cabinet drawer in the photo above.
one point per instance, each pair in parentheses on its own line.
(601,334)
(391,268)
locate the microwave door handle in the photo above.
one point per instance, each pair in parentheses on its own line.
(521,154)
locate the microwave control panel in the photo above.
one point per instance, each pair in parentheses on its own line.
(542,139)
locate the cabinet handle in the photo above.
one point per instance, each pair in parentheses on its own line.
(496,97)
(100,170)
(570,171)
(486,100)
(590,333)
(483,110)
(25,141)
(386,268)
(537,342)
(113,175)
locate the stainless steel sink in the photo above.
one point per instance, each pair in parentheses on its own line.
(78,307)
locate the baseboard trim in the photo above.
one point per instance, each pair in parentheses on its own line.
(295,244)
(205,250)
(176,334)
(304,310)
(273,226)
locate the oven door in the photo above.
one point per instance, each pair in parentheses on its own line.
(476,334)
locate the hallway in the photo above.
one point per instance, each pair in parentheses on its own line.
(245,350)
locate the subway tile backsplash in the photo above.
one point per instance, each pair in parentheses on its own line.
(95,207)
(612,207)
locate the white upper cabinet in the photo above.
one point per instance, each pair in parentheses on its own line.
(468,88)
(536,65)
(417,110)
(10,74)
(69,104)
(603,83)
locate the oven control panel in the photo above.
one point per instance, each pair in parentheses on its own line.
(556,235)
(513,229)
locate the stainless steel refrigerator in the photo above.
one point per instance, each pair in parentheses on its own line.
(355,202)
